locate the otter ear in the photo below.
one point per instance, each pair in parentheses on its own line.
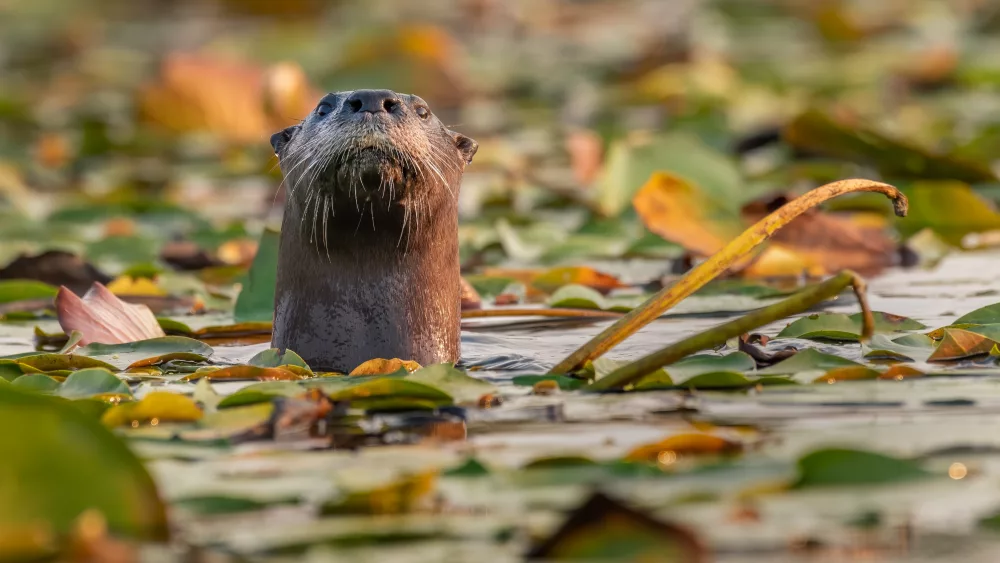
(281,138)
(466,145)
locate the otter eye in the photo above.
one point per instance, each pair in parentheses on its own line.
(323,109)
(423,112)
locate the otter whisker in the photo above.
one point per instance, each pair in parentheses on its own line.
(326,212)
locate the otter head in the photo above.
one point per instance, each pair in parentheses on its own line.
(371,152)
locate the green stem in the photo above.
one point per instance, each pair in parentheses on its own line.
(796,303)
(719,262)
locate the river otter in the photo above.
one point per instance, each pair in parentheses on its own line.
(368,262)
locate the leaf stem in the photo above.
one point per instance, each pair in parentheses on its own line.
(796,303)
(708,270)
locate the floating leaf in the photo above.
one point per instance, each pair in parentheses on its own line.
(908,348)
(388,387)
(839,467)
(555,278)
(161,406)
(148,352)
(850,373)
(213,505)
(261,393)
(54,362)
(809,359)
(565,382)
(989,314)
(683,444)
(244,373)
(90,382)
(399,497)
(272,358)
(61,463)
(463,388)
(382,366)
(959,344)
(37,382)
(23,290)
(837,326)
(256,299)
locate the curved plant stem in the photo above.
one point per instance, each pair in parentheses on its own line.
(716,264)
(796,303)
(553,312)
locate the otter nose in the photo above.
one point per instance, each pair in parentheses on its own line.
(372,101)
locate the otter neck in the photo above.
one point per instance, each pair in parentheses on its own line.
(377,291)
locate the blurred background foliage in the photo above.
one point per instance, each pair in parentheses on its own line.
(135,134)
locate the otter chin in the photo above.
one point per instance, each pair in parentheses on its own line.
(368,262)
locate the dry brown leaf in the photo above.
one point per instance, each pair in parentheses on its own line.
(958,344)
(470,297)
(382,366)
(683,444)
(551,280)
(102,317)
(236,101)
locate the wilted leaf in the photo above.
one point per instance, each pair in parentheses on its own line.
(102,317)
(958,344)
(850,373)
(161,406)
(556,278)
(90,382)
(681,213)
(148,352)
(683,444)
(382,366)
(61,462)
(840,467)
(245,373)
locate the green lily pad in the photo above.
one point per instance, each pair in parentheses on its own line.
(61,462)
(838,467)
(272,358)
(54,362)
(840,327)
(256,299)
(87,383)
(261,393)
(38,382)
(462,387)
(386,387)
(565,382)
(809,359)
(702,371)
(148,352)
(23,290)
(11,370)
(210,505)
(989,314)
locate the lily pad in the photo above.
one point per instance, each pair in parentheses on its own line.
(161,406)
(809,359)
(273,357)
(463,388)
(565,382)
(989,314)
(148,352)
(261,393)
(387,387)
(37,382)
(22,290)
(959,344)
(87,383)
(840,327)
(256,300)
(839,467)
(245,373)
(60,463)
(54,362)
